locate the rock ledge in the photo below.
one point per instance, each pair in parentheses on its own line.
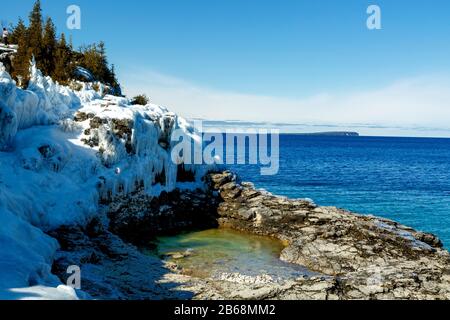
(367,257)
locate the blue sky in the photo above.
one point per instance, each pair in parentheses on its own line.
(288,53)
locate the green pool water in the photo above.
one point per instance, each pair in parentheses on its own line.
(215,252)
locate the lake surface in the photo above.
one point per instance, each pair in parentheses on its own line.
(404,179)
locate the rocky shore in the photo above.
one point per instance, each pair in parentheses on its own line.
(354,256)
(362,257)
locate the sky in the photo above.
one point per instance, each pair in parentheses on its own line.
(304,65)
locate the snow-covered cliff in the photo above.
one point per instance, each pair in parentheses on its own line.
(61,153)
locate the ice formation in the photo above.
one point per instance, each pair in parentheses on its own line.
(84,74)
(54,170)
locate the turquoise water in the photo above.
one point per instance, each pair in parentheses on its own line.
(212,253)
(404,179)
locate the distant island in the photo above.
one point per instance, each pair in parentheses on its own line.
(332,134)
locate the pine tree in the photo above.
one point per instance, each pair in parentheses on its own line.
(35,33)
(71,43)
(22,58)
(21,62)
(56,58)
(63,65)
(94,59)
(105,72)
(113,75)
(114,82)
(48,50)
(18,32)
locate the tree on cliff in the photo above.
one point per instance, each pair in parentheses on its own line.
(29,41)
(63,61)
(114,82)
(21,62)
(19,36)
(48,50)
(35,32)
(94,59)
(18,32)
(56,58)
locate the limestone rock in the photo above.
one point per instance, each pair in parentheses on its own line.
(369,257)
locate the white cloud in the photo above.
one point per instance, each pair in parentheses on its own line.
(418,106)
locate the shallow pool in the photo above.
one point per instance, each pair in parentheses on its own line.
(219,252)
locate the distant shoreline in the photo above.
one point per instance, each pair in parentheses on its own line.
(330,134)
(344,134)
(324,134)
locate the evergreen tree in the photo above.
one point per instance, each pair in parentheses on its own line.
(94,59)
(18,32)
(113,76)
(21,61)
(63,68)
(35,33)
(105,72)
(115,83)
(71,43)
(56,58)
(48,51)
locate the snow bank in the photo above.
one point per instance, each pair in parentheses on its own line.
(44,102)
(55,170)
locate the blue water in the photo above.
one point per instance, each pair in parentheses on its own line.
(404,179)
